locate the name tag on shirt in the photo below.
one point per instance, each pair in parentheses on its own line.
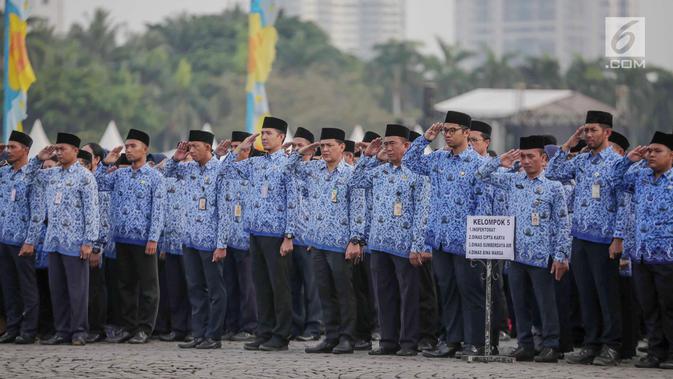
(397,209)
(535,219)
(58,197)
(202,203)
(237,210)
(12,195)
(333,196)
(596,191)
(264,192)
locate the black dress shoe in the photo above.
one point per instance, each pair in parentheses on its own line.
(344,347)
(426,345)
(324,347)
(172,337)
(442,351)
(584,357)
(209,343)
(191,344)
(361,345)
(254,345)
(274,344)
(547,355)
(24,340)
(93,337)
(307,337)
(523,354)
(227,335)
(607,357)
(8,337)
(648,361)
(407,352)
(383,351)
(78,340)
(667,364)
(139,338)
(55,340)
(242,337)
(119,338)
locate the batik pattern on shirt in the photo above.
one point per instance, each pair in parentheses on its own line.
(15,204)
(176,218)
(235,212)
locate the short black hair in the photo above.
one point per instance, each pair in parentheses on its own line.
(97,150)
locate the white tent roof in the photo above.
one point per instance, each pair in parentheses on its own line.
(497,103)
(288,136)
(358,134)
(40,140)
(111,138)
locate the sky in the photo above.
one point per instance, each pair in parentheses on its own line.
(426,19)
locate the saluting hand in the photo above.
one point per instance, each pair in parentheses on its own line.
(433,131)
(573,140)
(222,148)
(113,155)
(308,148)
(507,159)
(374,147)
(2,148)
(637,154)
(46,153)
(247,143)
(181,151)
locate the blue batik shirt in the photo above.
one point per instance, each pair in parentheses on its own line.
(71,197)
(173,235)
(302,212)
(653,198)
(456,193)
(337,212)
(235,212)
(38,221)
(596,205)
(138,203)
(542,228)
(272,193)
(203,230)
(401,202)
(105,241)
(15,204)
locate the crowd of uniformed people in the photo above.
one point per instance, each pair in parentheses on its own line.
(340,242)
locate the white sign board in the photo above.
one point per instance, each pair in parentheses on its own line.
(490,237)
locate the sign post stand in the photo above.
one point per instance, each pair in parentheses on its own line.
(489,238)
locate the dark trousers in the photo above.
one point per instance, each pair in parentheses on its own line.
(305,300)
(176,290)
(97,300)
(20,293)
(564,301)
(630,319)
(528,280)
(271,273)
(597,278)
(397,283)
(207,294)
(429,314)
(46,323)
(364,303)
(654,288)
(113,297)
(69,285)
(163,322)
(241,306)
(334,276)
(138,288)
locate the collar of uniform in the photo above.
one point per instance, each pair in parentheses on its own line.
(143,169)
(338,168)
(465,155)
(668,175)
(540,177)
(602,155)
(276,155)
(71,168)
(213,161)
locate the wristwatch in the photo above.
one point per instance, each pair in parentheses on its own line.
(289,236)
(357,241)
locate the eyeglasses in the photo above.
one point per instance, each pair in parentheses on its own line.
(475,140)
(452,131)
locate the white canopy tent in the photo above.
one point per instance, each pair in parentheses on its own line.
(111,137)
(358,134)
(40,139)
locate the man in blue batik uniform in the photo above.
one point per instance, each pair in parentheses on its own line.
(72,211)
(272,200)
(17,260)
(542,242)
(456,193)
(597,237)
(652,257)
(336,229)
(397,239)
(138,206)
